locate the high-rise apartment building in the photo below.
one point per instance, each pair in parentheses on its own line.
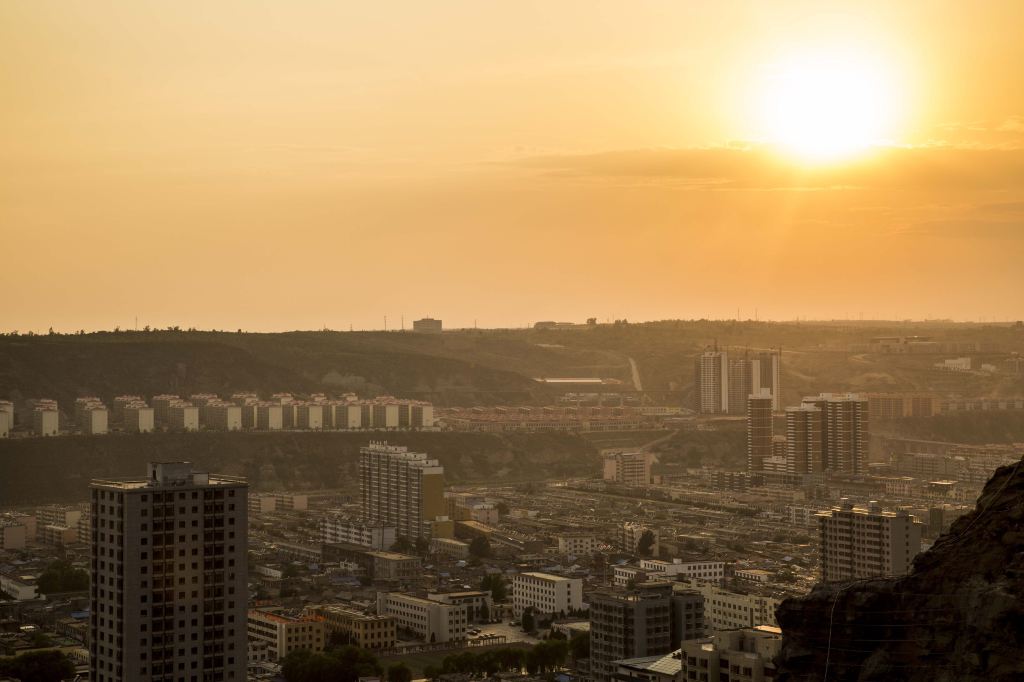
(168,577)
(805,426)
(629,624)
(711,382)
(760,430)
(867,543)
(628,468)
(844,432)
(401,489)
(723,382)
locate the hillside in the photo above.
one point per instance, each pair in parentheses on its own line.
(956,618)
(41,470)
(475,367)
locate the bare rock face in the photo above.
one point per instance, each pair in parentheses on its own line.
(958,616)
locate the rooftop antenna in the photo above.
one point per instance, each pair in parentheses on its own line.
(403,322)
(385,323)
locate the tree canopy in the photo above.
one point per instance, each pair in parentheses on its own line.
(61,576)
(38,666)
(346,664)
(496,584)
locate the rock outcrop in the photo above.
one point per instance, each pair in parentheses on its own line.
(957,617)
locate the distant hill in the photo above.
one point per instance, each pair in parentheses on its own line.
(42,470)
(477,367)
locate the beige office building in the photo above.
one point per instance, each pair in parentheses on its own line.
(745,655)
(433,621)
(867,543)
(285,631)
(401,489)
(628,468)
(364,630)
(546,594)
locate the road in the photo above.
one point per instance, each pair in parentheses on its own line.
(636,375)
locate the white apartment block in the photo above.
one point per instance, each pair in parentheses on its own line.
(57,536)
(58,515)
(577,545)
(628,468)
(449,547)
(162,407)
(746,655)
(20,587)
(182,416)
(46,421)
(94,420)
(546,593)
(631,534)
(726,610)
(269,417)
(138,418)
(6,417)
(221,416)
(120,403)
(706,570)
(339,529)
(433,621)
(285,632)
(865,543)
(309,416)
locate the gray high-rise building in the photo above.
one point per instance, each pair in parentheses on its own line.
(723,382)
(760,431)
(845,436)
(647,620)
(169,577)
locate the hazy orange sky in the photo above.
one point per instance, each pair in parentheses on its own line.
(282,165)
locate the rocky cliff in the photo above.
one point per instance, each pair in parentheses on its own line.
(958,616)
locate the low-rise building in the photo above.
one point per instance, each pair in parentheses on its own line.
(449,547)
(366,631)
(57,536)
(479,604)
(546,594)
(13,534)
(182,416)
(20,587)
(335,528)
(744,655)
(632,533)
(577,545)
(430,620)
(707,570)
(285,631)
(728,610)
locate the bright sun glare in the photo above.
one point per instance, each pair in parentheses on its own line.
(823,108)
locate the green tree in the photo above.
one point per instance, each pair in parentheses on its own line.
(484,614)
(496,584)
(480,547)
(432,672)
(38,666)
(61,576)
(422,546)
(399,672)
(346,664)
(529,620)
(402,545)
(645,546)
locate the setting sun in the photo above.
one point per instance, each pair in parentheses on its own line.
(826,107)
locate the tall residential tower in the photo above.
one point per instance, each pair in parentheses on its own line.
(168,593)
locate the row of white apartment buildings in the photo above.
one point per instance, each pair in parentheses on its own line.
(242,411)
